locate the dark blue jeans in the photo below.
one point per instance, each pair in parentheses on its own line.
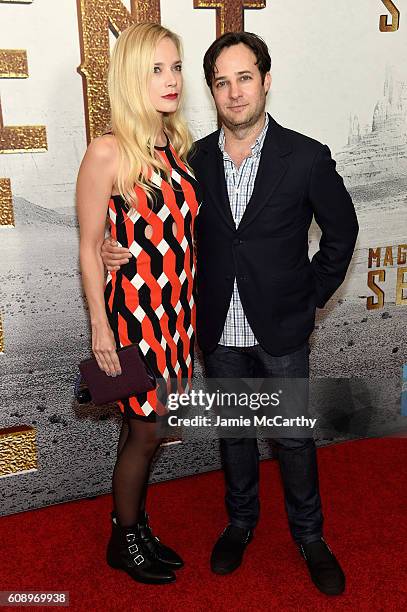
(240,456)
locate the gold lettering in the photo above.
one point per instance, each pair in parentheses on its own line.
(401,285)
(18,450)
(229,13)
(371,304)
(388,256)
(6,203)
(19,138)
(374,254)
(22,138)
(96,17)
(13,64)
(393,26)
(402,254)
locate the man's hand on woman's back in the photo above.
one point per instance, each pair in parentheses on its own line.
(112,255)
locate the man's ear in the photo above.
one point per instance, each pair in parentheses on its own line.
(267,82)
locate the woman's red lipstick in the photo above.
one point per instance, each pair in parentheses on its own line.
(172,96)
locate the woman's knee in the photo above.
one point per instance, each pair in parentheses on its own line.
(144,436)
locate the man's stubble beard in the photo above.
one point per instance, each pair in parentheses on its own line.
(248,123)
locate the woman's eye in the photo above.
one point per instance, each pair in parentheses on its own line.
(178,68)
(156,69)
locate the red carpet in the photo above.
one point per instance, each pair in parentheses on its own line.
(363,485)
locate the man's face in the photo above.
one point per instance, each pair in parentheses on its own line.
(238,91)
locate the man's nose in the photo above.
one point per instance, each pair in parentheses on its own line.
(234,89)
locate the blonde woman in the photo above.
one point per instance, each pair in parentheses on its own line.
(138,176)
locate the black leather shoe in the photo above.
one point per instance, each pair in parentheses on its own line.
(228,551)
(166,555)
(127,551)
(324,568)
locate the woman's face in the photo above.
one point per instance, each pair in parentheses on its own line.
(166,80)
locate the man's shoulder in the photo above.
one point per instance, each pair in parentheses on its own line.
(297,140)
(202,146)
(207,142)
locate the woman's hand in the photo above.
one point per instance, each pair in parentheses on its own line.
(104,349)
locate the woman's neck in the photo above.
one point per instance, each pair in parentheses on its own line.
(161,139)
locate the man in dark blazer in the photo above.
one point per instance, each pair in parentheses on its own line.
(257,290)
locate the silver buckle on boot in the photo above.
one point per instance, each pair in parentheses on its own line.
(130,537)
(133,548)
(141,559)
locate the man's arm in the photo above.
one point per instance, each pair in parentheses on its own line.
(335,214)
(112,255)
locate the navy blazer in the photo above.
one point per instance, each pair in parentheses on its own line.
(268,252)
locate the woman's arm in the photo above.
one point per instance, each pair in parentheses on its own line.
(94,187)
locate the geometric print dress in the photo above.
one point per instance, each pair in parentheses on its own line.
(150,300)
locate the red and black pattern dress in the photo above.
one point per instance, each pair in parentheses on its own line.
(150,300)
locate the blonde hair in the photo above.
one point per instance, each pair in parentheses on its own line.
(134,120)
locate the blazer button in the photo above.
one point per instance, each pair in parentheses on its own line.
(237,241)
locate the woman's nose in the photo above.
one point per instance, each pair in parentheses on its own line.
(171,78)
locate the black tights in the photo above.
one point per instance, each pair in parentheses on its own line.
(136,447)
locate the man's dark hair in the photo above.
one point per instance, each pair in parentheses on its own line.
(254,42)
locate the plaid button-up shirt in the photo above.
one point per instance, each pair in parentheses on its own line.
(240,183)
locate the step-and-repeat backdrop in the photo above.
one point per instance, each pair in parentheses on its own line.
(339,75)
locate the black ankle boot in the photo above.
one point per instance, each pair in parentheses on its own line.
(127,551)
(159,551)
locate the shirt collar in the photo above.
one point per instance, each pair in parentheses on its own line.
(258,144)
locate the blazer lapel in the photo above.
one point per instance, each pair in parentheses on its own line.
(212,175)
(222,198)
(215,181)
(272,168)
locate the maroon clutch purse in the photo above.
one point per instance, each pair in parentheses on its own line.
(136,377)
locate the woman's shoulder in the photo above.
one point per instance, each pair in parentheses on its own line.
(102,154)
(104,148)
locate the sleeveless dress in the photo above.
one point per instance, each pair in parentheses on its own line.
(150,300)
